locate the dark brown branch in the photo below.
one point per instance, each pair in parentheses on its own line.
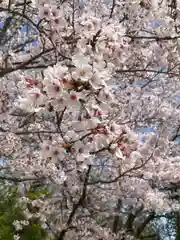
(15,179)
(94,40)
(153,37)
(112,8)
(76,205)
(129,222)
(24,6)
(9,5)
(143,70)
(21,66)
(18,14)
(59,118)
(116,221)
(36,132)
(175,134)
(127,171)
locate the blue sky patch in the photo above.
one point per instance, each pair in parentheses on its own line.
(140,84)
(155,24)
(1,25)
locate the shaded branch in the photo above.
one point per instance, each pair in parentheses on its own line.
(112,8)
(141,228)
(18,180)
(155,38)
(76,205)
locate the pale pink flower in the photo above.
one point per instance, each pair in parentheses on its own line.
(46,149)
(82,151)
(45,12)
(83,73)
(55,12)
(54,90)
(35,97)
(57,153)
(105,95)
(80,61)
(59,103)
(72,99)
(71,136)
(79,125)
(96,81)
(59,24)
(92,123)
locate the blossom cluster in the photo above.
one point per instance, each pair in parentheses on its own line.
(82,111)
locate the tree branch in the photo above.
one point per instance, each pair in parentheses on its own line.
(76,205)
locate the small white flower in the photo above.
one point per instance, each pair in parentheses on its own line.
(71,135)
(56,153)
(114,145)
(136,155)
(17,225)
(83,73)
(82,151)
(55,12)
(45,12)
(45,149)
(59,104)
(59,24)
(80,61)
(54,74)
(105,95)
(35,97)
(118,153)
(79,125)
(115,128)
(44,226)
(92,123)
(16,237)
(96,82)
(27,214)
(25,223)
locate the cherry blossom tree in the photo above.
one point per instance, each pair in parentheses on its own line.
(71,108)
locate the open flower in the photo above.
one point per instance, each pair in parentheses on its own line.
(35,97)
(80,60)
(72,99)
(59,103)
(71,136)
(56,153)
(79,125)
(59,24)
(82,151)
(45,149)
(53,90)
(45,12)
(96,81)
(55,12)
(55,73)
(116,151)
(84,73)
(92,123)
(105,95)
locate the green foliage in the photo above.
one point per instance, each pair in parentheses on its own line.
(150,232)
(8,212)
(36,193)
(33,232)
(11,211)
